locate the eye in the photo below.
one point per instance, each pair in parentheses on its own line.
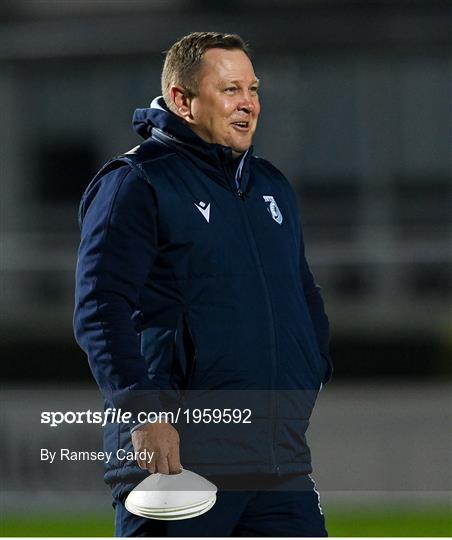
(254,89)
(231,89)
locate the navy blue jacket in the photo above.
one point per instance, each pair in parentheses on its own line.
(193,293)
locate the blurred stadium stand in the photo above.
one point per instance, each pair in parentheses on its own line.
(356,111)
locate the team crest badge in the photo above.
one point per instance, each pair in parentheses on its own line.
(272,207)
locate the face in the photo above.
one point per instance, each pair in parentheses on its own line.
(226,107)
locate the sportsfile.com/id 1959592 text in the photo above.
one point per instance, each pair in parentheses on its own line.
(117,416)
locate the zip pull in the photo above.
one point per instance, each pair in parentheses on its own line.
(240,193)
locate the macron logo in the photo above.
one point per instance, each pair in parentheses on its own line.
(204,208)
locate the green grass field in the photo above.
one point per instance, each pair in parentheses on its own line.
(341,521)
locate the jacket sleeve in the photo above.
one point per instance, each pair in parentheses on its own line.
(117,249)
(316,309)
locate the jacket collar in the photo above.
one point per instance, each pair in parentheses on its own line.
(160,124)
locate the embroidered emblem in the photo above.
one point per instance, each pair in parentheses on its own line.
(275,212)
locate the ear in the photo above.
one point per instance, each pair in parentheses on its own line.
(181,102)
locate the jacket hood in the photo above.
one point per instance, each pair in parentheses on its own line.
(159,122)
(160,117)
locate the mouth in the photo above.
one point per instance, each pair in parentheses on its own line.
(241,125)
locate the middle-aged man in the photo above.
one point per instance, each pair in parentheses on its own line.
(193,294)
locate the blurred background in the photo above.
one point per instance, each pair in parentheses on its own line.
(356,111)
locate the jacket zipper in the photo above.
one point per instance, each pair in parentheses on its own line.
(241,196)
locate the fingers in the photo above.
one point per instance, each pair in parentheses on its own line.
(162,464)
(174,465)
(163,439)
(148,462)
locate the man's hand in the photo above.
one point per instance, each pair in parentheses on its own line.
(162,439)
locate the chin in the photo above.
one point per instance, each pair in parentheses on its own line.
(240,149)
(238,144)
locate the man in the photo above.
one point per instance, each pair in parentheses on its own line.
(194,294)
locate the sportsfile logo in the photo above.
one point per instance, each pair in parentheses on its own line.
(56,418)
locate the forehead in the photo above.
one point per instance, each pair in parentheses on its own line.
(224,64)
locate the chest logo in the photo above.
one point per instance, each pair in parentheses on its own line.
(273,209)
(204,208)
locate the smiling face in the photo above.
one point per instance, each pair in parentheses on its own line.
(226,106)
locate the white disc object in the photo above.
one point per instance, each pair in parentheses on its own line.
(168,509)
(172,496)
(173,514)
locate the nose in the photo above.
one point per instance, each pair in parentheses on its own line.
(248,103)
(246,107)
